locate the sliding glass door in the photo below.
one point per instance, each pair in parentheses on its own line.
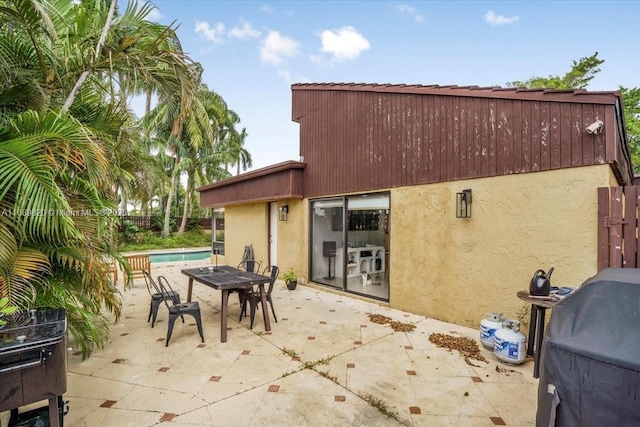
(367,222)
(327,241)
(350,244)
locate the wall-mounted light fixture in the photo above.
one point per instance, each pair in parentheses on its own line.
(594,128)
(463,204)
(284,212)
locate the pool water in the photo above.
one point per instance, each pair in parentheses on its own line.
(180,256)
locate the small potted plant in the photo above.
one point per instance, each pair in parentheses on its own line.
(290,279)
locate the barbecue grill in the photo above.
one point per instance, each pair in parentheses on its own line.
(33,363)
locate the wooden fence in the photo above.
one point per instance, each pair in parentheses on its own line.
(146,222)
(618,243)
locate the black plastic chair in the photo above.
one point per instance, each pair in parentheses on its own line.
(157,297)
(178,310)
(252,296)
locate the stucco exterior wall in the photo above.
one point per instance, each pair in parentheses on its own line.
(249,224)
(293,238)
(456,270)
(246,225)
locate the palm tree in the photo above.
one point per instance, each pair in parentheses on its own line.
(241,154)
(192,143)
(63,126)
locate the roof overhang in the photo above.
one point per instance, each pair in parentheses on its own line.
(275,182)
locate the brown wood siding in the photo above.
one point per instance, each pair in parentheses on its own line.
(280,184)
(356,141)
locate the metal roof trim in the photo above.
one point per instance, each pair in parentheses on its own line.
(558,95)
(268,170)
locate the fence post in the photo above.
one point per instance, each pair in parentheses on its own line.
(603,230)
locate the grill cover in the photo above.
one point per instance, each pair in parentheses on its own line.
(590,365)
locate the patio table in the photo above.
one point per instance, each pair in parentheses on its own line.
(225,278)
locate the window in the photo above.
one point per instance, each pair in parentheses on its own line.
(217,230)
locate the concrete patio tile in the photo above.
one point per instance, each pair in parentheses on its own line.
(174,381)
(196,417)
(94,387)
(518,404)
(428,420)
(164,400)
(452,395)
(117,417)
(441,362)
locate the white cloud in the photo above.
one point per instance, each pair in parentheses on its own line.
(246,31)
(215,34)
(344,44)
(409,10)
(290,78)
(495,20)
(275,48)
(154,15)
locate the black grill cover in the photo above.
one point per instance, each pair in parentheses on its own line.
(590,361)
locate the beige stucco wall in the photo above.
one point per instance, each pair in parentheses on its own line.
(293,238)
(246,225)
(249,224)
(456,270)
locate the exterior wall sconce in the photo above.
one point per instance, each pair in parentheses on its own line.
(463,204)
(284,212)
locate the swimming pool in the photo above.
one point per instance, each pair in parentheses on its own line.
(180,256)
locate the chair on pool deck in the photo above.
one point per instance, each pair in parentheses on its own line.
(178,310)
(137,264)
(112,269)
(253,295)
(157,297)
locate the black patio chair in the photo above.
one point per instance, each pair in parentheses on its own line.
(252,296)
(178,310)
(157,297)
(251,267)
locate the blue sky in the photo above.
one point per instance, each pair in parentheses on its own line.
(252,51)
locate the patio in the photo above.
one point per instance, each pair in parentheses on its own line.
(324,363)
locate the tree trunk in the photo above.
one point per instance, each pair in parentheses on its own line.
(147,104)
(123,200)
(167,210)
(83,77)
(187,198)
(185,210)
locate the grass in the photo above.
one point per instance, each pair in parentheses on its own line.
(150,240)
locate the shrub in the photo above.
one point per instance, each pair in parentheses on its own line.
(130,229)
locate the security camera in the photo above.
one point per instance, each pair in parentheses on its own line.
(594,128)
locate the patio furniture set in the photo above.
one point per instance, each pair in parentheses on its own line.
(246,279)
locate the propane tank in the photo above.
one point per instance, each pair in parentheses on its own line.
(510,345)
(488,328)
